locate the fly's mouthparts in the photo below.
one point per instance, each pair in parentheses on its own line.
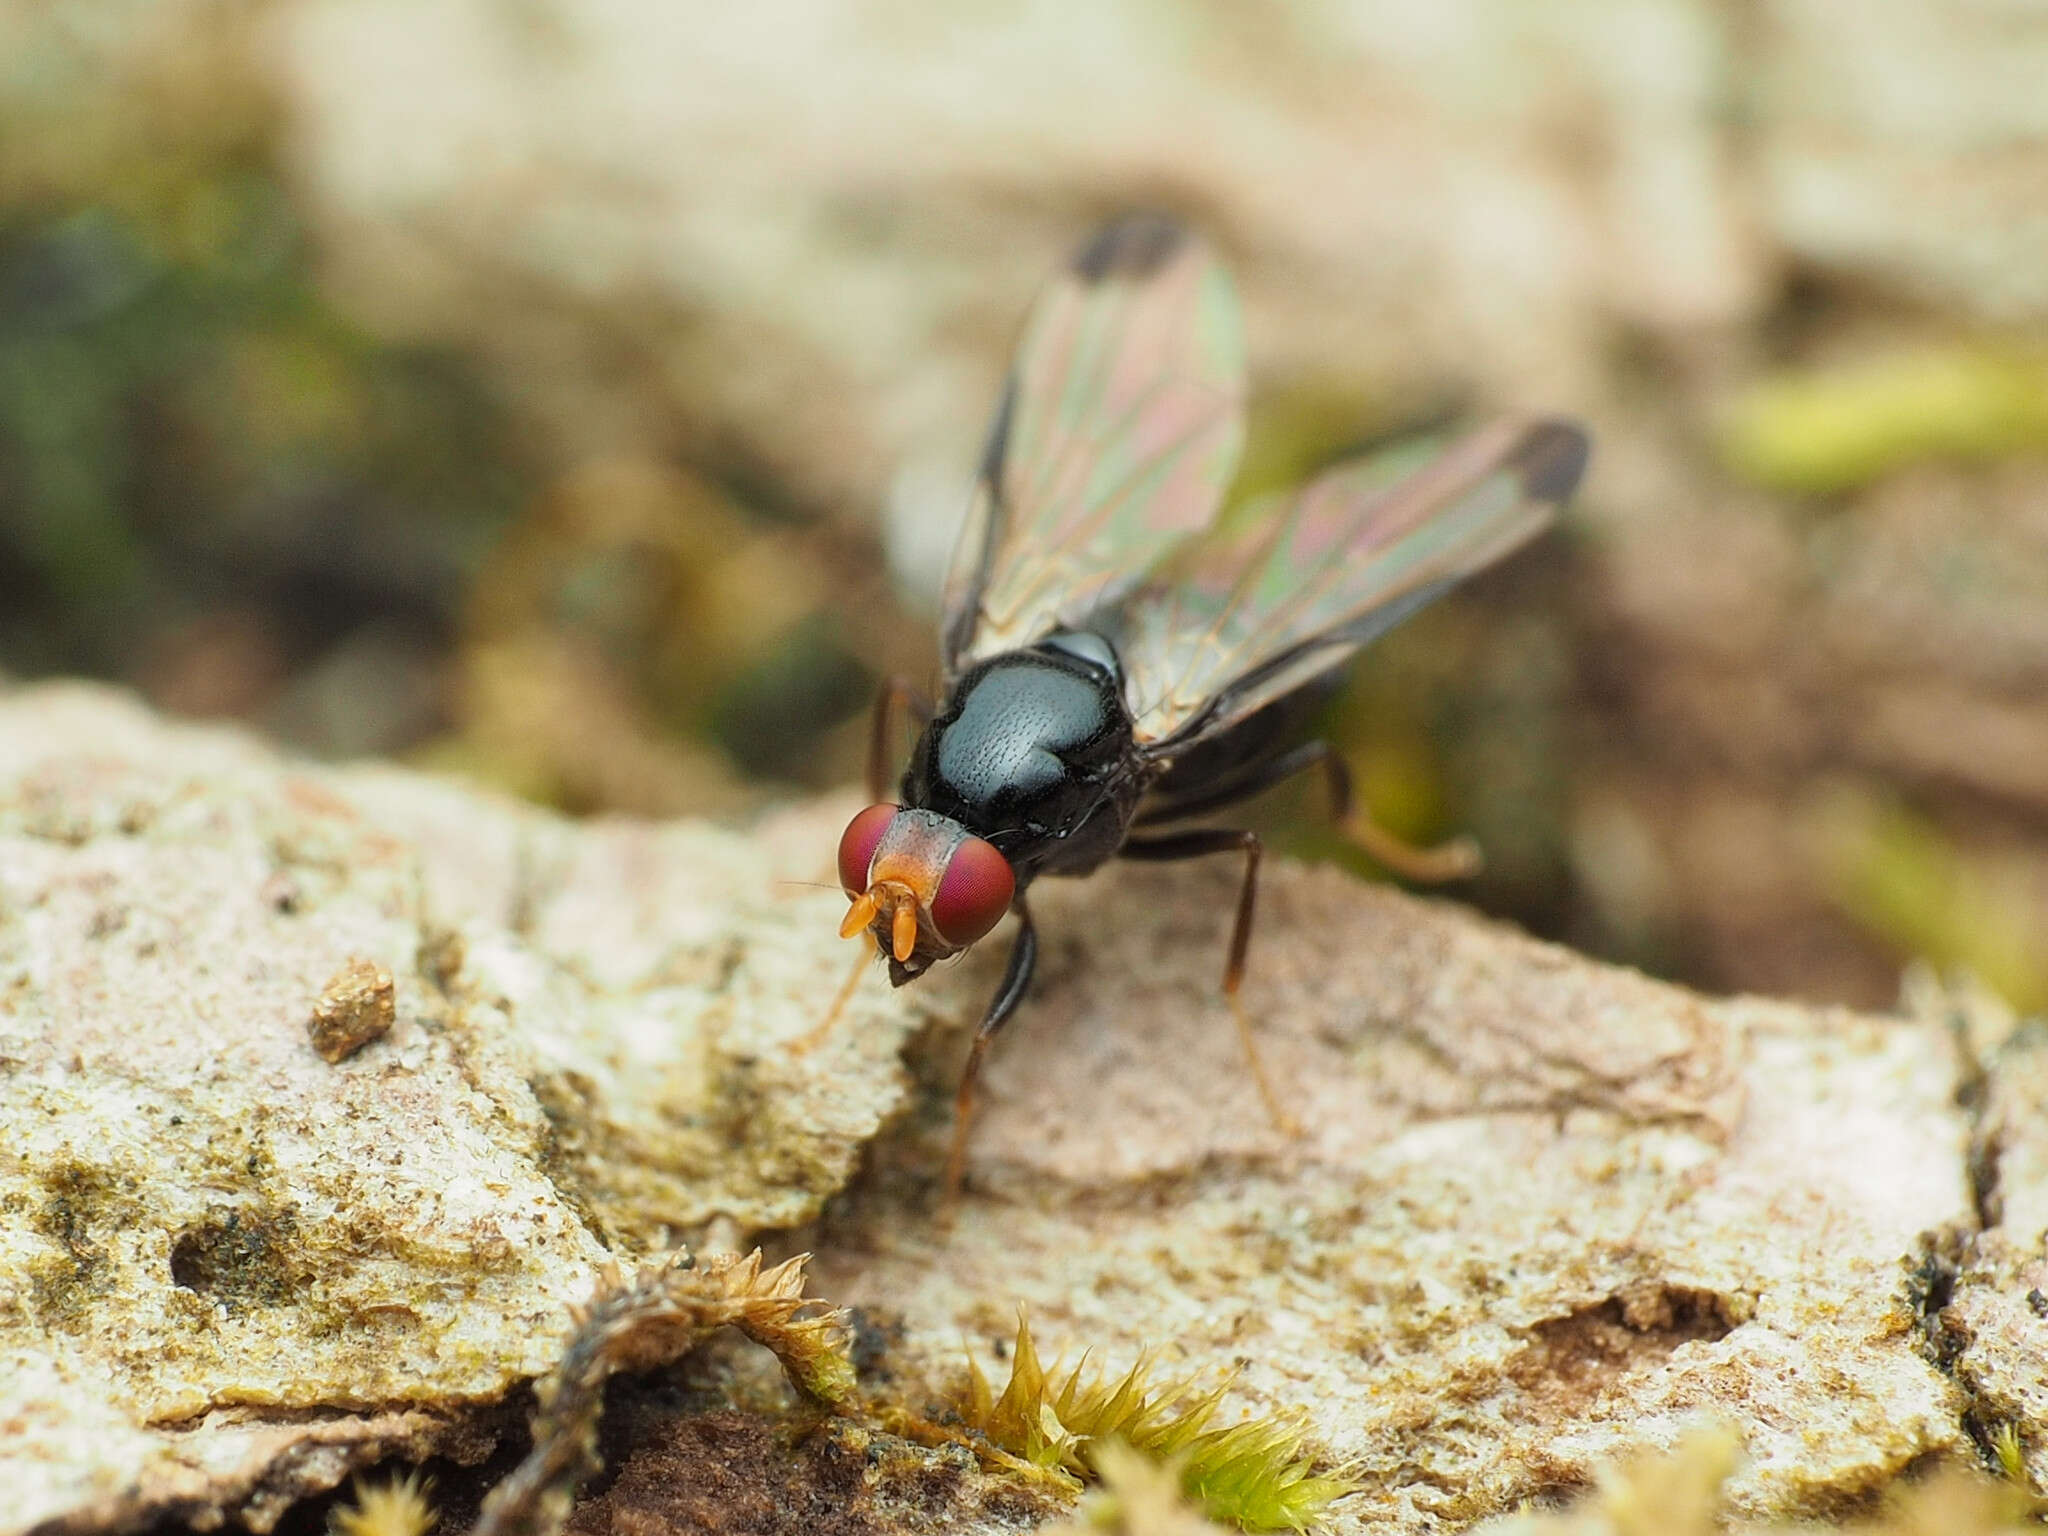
(859,915)
(900,902)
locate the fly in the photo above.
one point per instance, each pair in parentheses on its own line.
(1112,665)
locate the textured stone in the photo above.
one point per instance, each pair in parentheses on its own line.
(1544,1214)
(209,1233)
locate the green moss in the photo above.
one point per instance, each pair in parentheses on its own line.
(636,1323)
(2011,1454)
(398,1507)
(1255,1475)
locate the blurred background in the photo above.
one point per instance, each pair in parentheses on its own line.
(582,395)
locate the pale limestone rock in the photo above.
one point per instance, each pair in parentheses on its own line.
(1993,1327)
(1546,1213)
(209,1230)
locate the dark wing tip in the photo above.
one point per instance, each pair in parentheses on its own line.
(1550,458)
(996,447)
(1132,246)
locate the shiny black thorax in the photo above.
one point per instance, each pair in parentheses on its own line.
(1033,751)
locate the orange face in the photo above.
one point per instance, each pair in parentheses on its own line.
(923,884)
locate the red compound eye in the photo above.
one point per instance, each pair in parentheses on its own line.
(857,846)
(973,893)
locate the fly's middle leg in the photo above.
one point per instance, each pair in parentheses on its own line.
(1200,844)
(898,692)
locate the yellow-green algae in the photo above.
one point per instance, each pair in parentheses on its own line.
(1897,874)
(1833,430)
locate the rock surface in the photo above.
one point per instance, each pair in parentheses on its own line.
(211,1234)
(1545,1212)
(1549,1213)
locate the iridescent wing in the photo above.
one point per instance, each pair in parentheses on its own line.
(1242,618)
(1117,433)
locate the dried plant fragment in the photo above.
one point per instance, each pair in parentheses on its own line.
(1680,1494)
(1255,1475)
(396,1508)
(662,1313)
(358,1005)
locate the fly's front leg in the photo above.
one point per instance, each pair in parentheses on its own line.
(898,692)
(1016,977)
(1199,844)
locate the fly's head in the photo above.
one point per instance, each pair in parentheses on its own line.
(922,884)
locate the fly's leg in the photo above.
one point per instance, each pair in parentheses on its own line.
(1016,977)
(1199,844)
(898,692)
(1455,860)
(815,1036)
(1458,859)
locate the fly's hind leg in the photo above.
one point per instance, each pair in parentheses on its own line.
(1016,977)
(898,692)
(1199,844)
(1456,860)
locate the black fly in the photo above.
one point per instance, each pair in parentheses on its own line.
(1113,666)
